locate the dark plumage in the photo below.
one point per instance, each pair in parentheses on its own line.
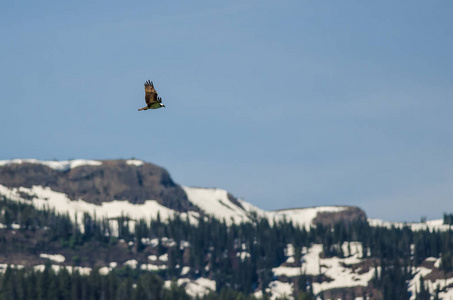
(151,98)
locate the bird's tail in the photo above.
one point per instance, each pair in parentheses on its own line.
(144,108)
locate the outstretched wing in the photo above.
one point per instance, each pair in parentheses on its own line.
(150,93)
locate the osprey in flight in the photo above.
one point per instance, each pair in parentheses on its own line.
(152,101)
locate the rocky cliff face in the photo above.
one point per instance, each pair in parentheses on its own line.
(135,181)
(108,181)
(351,214)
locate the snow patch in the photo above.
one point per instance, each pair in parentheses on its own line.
(151,267)
(44,197)
(3,267)
(444,284)
(54,257)
(278,290)
(184,244)
(287,271)
(164,257)
(64,165)
(70,269)
(243,255)
(303,216)
(135,162)
(13,226)
(168,242)
(152,258)
(431,225)
(131,263)
(185,270)
(289,250)
(201,286)
(334,268)
(215,202)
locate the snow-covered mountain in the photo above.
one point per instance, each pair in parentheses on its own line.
(139,190)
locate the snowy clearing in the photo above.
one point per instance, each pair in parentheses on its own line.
(334,268)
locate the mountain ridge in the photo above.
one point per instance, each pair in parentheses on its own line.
(98,181)
(213,233)
(108,182)
(163,190)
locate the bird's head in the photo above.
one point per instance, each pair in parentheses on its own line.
(161,105)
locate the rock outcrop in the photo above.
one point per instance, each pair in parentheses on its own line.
(108,181)
(351,214)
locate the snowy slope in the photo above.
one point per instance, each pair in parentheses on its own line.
(44,197)
(445,284)
(212,201)
(334,268)
(219,204)
(303,216)
(215,202)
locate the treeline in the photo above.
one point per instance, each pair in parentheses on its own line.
(122,284)
(237,257)
(240,257)
(383,243)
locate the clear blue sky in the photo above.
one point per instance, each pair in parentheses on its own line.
(283,103)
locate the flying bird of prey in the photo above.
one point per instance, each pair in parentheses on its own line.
(151,99)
